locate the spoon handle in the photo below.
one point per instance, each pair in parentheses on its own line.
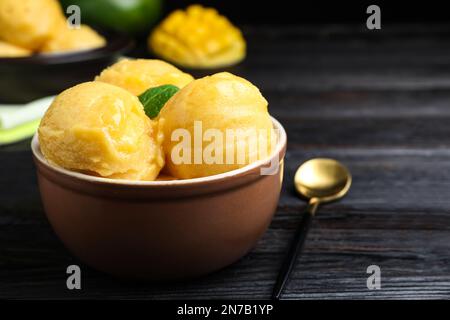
(295,249)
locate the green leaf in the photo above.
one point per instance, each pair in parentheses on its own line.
(155,98)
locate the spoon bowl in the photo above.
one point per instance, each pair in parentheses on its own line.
(324,179)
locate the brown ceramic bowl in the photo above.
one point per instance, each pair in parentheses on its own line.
(160,229)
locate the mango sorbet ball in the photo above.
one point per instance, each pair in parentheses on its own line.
(8,50)
(213,125)
(67,39)
(101,129)
(139,75)
(29,23)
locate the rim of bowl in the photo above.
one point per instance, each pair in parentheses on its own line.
(116,44)
(282,141)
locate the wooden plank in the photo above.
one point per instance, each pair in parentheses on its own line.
(329,58)
(396,180)
(333,266)
(375,224)
(355,104)
(367,132)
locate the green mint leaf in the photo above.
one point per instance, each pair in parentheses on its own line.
(155,98)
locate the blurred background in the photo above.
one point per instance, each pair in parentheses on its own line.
(283,12)
(322,11)
(271,13)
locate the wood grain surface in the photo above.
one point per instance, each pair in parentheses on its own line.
(378,101)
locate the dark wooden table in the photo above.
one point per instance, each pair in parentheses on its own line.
(377,100)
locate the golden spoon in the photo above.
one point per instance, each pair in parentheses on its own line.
(319,180)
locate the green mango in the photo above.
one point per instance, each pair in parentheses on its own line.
(127,16)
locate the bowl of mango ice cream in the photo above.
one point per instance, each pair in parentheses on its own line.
(42,54)
(98,157)
(40,26)
(138,75)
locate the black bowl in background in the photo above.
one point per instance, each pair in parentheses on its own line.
(25,79)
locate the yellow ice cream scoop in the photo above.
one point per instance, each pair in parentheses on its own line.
(213,125)
(29,23)
(199,38)
(101,129)
(76,39)
(8,50)
(137,76)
